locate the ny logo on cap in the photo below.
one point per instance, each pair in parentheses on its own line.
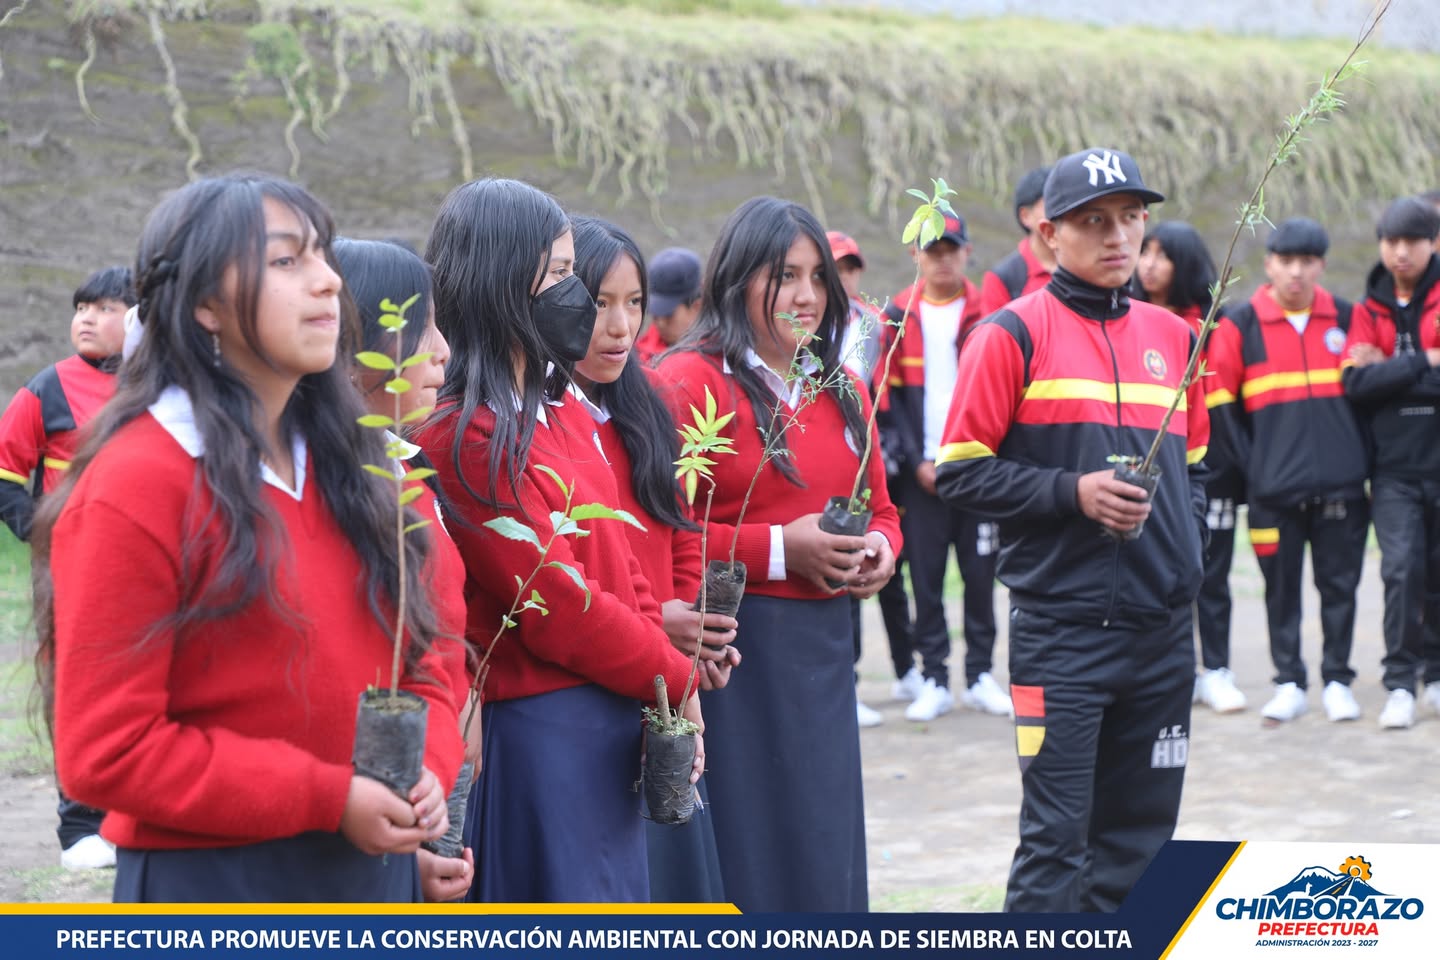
(1108,165)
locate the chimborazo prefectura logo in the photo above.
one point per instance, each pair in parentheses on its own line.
(1339,907)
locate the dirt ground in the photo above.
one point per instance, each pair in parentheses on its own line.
(941,798)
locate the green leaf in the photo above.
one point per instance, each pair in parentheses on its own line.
(410,495)
(912,230)
(418,524)
(397,386)
(396,449)
(512,529)
(419,413)
(421,473)
(417,358)
(573,574)
(392,322)
(691,482)
(378,471)
(918,195)
(564,526)
(375,420)
(564,490)
(374,360)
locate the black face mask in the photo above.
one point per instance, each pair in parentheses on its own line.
(564,317)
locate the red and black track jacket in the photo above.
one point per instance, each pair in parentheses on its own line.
(1016,275)
(1284,408)
(1224,476)
(40,431)
(1050,388)
(1400,396)
(902,409)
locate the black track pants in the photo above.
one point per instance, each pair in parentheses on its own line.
(1212,606)
(1336,531)
(1102,722)
(932,529)
(1407,525)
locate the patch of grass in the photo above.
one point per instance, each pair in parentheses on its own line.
(764,84)
(973,898)
(58,885)
(23,748)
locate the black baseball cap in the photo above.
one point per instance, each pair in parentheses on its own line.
(1298,237)
(674,279)
(955,231)
(1030,189)
(1091,174)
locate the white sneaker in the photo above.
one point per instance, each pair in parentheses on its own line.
(909,686)
(1431,696)
(92,852)
(868,716)
(1399,712)
(1216,689)
(1287,704)
(1339,702)
(987,696)
(933,701)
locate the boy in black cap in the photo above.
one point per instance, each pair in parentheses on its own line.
(1050,390)
(675,284)
(1276,362)
(1029,267)
(1390,371)
(934,317)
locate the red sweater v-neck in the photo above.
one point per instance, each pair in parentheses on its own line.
(241,732)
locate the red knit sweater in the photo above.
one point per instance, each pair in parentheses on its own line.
(241,732)
(617,642)
(669,558)
(818,447)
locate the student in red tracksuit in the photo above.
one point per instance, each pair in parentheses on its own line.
(1176,272)
(552,816)
(1276,364)
(216,577)
(1102,661)
(39,434)
(1029,266)
(373,271)
(40,430)
(785,726)
(933,321)
(1390,373)
(636,435)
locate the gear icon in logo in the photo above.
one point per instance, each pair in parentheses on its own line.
(1357,867)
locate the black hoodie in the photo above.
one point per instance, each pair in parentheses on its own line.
(1401,395)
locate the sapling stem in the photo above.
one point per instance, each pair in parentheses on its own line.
(695,657)
(879,394)
(399,531)
(1323,102)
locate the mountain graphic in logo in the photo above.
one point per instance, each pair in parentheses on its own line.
(1320,882)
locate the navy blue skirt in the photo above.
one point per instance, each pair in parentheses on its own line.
(684,864)
(783,758)
(308,868)
(555,816)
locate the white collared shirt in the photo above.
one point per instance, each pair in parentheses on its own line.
(174,411)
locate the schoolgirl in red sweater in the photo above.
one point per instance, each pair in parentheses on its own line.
(637,436)
(785,768)
(553,816)
(215,579)
(373,271)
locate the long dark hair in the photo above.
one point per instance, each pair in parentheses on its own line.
(641,418)
(755,241)
(488,238)
(378,269)
(1194,269)
(188,243)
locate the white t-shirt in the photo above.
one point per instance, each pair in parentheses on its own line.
(940,326)
(1299,320)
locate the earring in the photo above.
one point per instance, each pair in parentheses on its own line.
(215,340)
